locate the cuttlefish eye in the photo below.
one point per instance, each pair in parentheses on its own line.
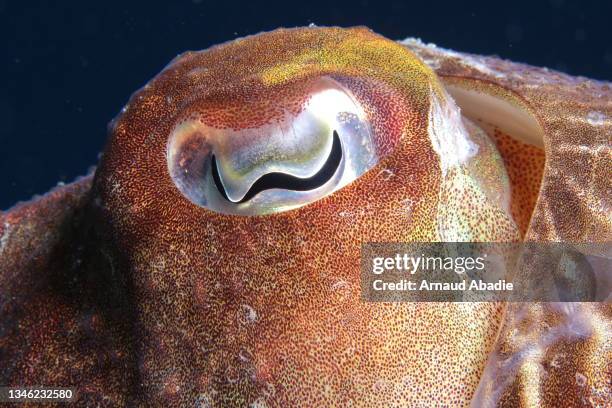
(319,141)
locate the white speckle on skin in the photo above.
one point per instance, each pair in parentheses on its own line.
(244,355)
(557,360)
(597,118)
(479,63)
(417,41)
(386,174)
(434,63)
(581,380)
(448,135)
(380,386)
(473,61)
(406,206)
(578,324)
(269,390)
(5,236)
(341,288)
(159,264)
(248,314)
(258,403)
(341,284)
(203,401)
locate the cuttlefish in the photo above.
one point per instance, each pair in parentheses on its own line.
(213,258)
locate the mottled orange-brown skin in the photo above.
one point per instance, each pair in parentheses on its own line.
(64,319)
(170,304)
(525,165)
(551,354)
(267,309)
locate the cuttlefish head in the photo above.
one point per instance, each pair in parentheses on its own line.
(237,189)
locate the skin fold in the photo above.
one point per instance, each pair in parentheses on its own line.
(550,354)
(124,286)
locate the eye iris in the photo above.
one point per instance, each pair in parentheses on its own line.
(288,162)
(287,181)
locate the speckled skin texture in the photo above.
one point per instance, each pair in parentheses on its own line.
(141,298)
(525,165)
(64,318)
(551,354)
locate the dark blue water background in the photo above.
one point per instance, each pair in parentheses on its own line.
(68,67)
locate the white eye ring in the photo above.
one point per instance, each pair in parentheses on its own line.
(279,166)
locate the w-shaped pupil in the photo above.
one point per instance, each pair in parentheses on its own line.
(287,181)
